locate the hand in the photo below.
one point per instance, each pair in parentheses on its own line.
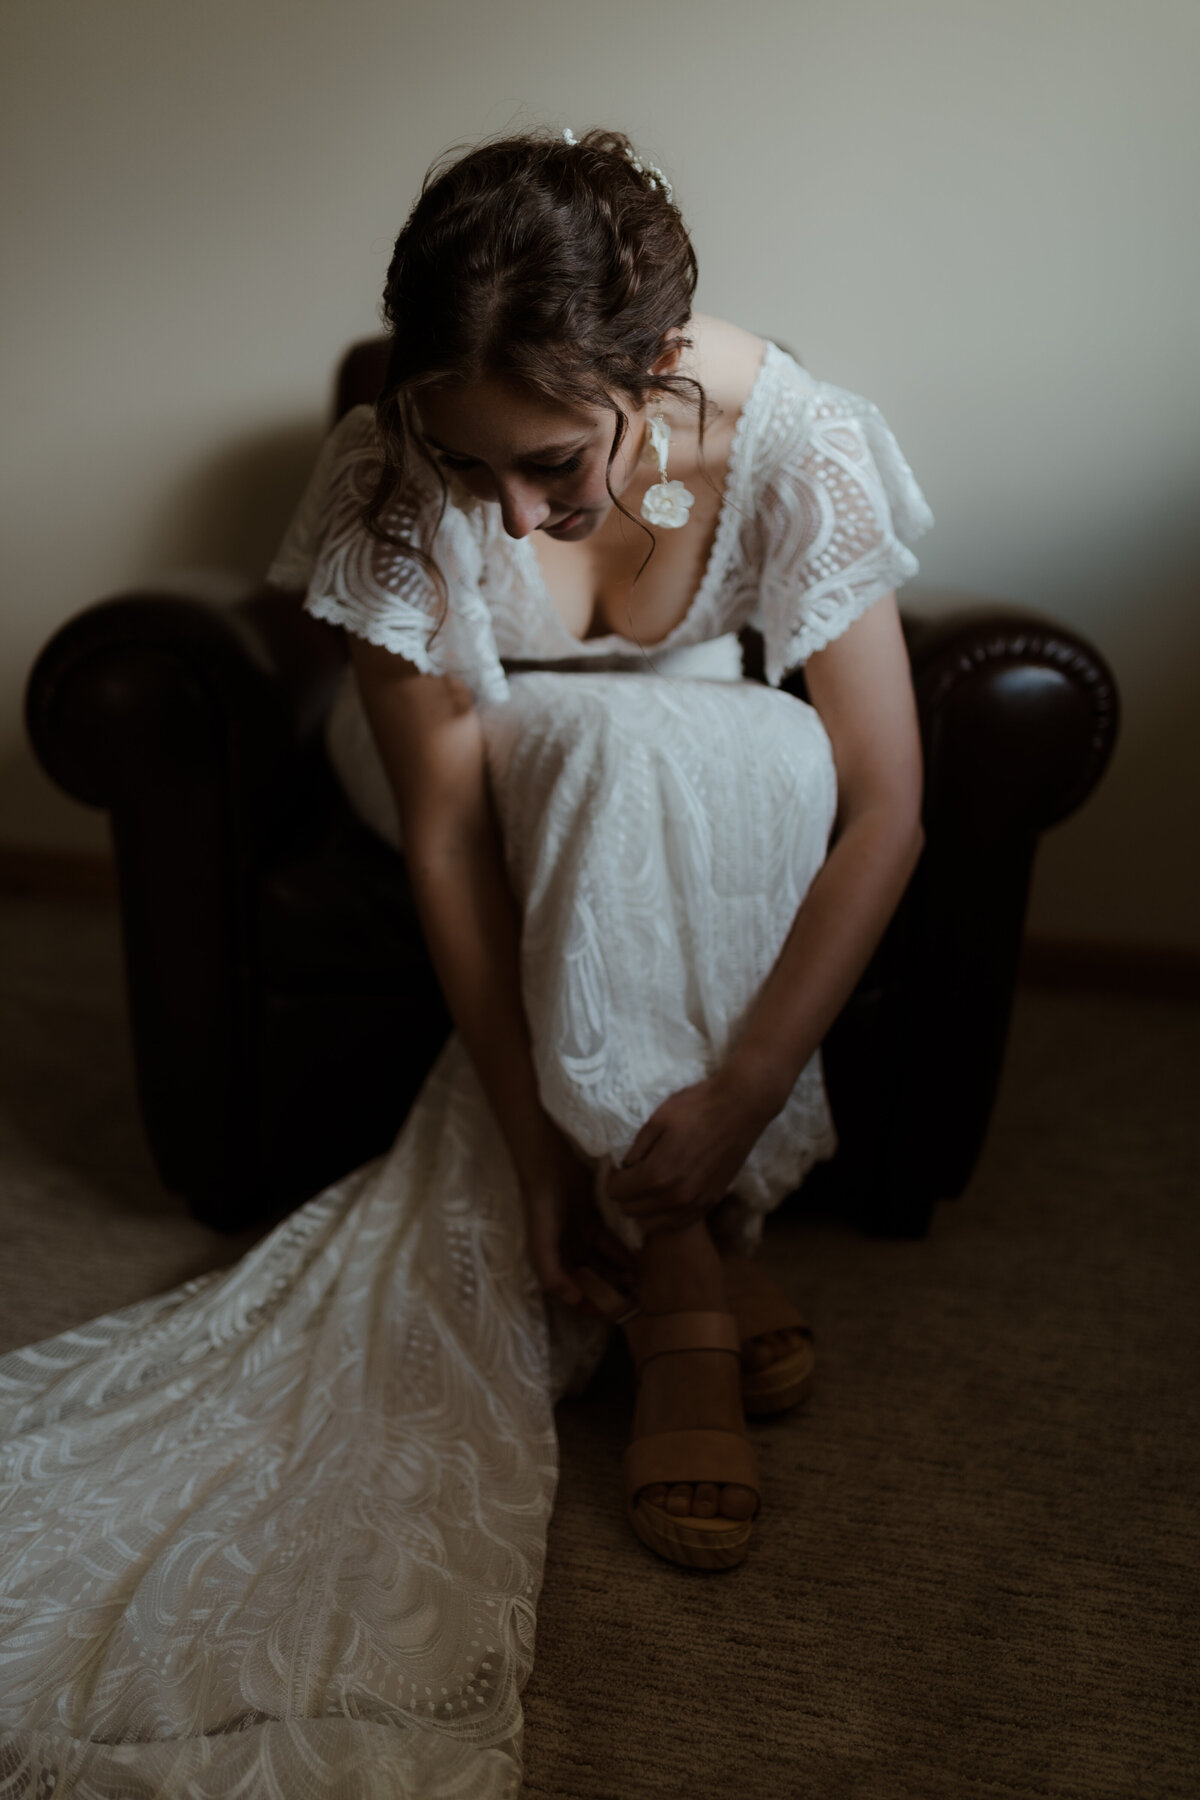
(568,1241)
(687,1155)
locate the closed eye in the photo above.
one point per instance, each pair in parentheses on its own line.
(568,467)
(563,468)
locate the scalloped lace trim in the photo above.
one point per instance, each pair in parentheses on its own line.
(818,511)
(824,620)
(406,637)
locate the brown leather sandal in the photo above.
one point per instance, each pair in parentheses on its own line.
(788,1380)
(694,1456)
(784,1383)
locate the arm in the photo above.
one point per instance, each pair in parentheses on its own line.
(431,741)
(687,1154)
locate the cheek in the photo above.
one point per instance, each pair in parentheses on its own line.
(590,488)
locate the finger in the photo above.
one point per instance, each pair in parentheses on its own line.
(564,1289)
(600,1297)
(670,1218)
(668,1222)
(653,1223)
(622,1186)
(641,1179)
(610,1247)
(643,1143)
(646,1193)
(551,1274)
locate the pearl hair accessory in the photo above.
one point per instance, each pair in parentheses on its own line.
(651,171)
(667,503)
(653,174)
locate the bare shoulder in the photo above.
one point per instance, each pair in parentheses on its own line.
(725,360)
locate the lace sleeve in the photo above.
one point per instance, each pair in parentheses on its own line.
(839,512)
(353,579)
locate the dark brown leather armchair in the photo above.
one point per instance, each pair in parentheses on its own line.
(284,1011)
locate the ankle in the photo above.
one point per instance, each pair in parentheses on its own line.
(681,1271)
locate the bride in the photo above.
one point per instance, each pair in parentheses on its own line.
(281,1530)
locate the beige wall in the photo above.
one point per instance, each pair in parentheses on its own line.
(983,215)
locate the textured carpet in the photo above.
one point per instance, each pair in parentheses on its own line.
(976,1570)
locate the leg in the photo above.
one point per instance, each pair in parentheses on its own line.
(680,1271)
(748,1283)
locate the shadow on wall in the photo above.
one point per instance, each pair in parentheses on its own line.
(228,512)
(232,510)
(1127,867)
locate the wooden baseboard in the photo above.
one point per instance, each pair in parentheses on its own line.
(1153,971)
(57,874)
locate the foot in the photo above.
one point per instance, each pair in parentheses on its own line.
(691,1389)
(748,1282)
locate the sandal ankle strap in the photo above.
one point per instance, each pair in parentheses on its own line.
(661,1334)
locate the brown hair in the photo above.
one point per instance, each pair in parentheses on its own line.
(561,265)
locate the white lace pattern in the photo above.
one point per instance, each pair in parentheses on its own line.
(354,578)
(817,515)
(657,883)
(280,1533)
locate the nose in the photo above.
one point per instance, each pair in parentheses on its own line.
(522,508)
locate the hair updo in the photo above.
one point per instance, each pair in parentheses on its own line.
(560,265)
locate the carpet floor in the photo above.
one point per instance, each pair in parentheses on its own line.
(975,1575)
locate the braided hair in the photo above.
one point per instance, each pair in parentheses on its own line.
(559,264)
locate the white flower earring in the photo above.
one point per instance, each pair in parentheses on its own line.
(667,503)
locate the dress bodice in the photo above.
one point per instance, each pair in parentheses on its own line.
(818,514)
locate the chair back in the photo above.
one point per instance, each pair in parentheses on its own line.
(360,375)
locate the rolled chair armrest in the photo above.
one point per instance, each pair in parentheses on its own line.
(1019,716)
(1018,720)
(194,717)
(244,658)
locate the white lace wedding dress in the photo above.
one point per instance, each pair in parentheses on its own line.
(280,1533)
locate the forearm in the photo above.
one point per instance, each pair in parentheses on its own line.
(432,745)
(688,1154)
(835,931)
(472,930)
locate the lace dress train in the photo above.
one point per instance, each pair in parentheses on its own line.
(281,1531)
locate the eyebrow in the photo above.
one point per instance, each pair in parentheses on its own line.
(545,454)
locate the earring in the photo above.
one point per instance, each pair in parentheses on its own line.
(667,503)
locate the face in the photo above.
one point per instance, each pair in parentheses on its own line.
(543,462)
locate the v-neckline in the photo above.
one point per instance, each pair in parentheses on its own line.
(727,520)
